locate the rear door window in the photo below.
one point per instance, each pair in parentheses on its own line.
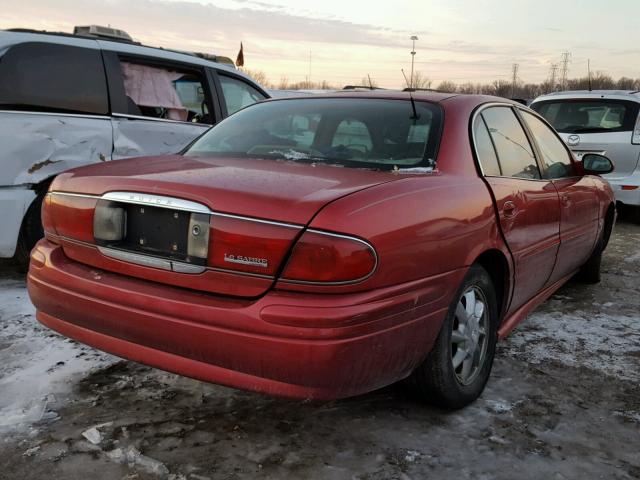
(166,93)
(589,116)
(556,158)
(238,93)
(49,77)
(485,150)
(512,145)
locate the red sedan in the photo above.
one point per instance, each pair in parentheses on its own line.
(322,247)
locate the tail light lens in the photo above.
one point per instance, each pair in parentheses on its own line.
(47,222)
(70,216)
(249,246)
(326,258)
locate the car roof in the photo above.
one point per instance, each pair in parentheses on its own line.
(418,96)
(9,38)
(631,95)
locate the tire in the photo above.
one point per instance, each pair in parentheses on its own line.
(436,380)
(30,232)
(590,272)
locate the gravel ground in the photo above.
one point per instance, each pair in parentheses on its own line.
(563,403)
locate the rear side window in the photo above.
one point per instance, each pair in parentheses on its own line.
(238,94)
(44,76)
(512,146)
(484,147)
(554,154)
(166,93)
(589,116)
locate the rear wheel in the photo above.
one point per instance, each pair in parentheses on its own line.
(590,272)
(456,370)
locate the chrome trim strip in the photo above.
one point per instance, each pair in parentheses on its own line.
(69,194)
(54,114)
(149,261)
(143,260)
(213,269)
(160,201)
(258,220)
(348,282)
(154,119)
(123,197)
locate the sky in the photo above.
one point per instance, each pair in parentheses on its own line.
(343,41)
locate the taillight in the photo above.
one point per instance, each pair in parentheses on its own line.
(47,222)
(248,246)
(71,215)
(328,258)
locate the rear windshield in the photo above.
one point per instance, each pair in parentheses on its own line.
(360,133)
(589,116)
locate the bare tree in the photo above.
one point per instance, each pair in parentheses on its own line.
(447,86)
(420,81)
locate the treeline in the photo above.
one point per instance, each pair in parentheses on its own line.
(500,88)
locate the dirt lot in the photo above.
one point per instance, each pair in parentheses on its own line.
(563,403)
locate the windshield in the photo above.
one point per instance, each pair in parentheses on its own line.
(589,116)
(361,133)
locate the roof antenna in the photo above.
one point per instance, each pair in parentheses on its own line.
(415,115)
(589,72)
(370,84)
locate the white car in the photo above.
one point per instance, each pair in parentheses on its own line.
(69,100)
(606,122)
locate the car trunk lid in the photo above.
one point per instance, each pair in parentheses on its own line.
(247,213)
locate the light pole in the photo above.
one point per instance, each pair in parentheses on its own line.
(413,56)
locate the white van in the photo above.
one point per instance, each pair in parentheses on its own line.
(605,122)
(70,100)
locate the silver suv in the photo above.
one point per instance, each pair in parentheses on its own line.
(605,122)
(70,100)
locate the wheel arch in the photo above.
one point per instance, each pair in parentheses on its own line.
(609,220)
(496,264)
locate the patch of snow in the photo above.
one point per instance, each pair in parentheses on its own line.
(291,154)
(602,342)
(93,434)
(412,455)
(415,170)
(499,406)
(37,366)
(634,258)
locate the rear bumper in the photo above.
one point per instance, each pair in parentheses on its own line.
(287,344)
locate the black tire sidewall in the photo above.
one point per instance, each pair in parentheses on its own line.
(436,378)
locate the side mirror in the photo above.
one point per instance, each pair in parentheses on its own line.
(595,164)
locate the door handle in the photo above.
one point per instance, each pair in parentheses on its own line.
(565,200)
(509,209)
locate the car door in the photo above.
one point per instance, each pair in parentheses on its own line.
(527,205)
(157,107)
(579,206)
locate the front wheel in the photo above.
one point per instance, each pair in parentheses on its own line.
(456,370)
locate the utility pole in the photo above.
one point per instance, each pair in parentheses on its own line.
(413,38)
(309,77)
(566,59)
(514,78)
(553,76)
